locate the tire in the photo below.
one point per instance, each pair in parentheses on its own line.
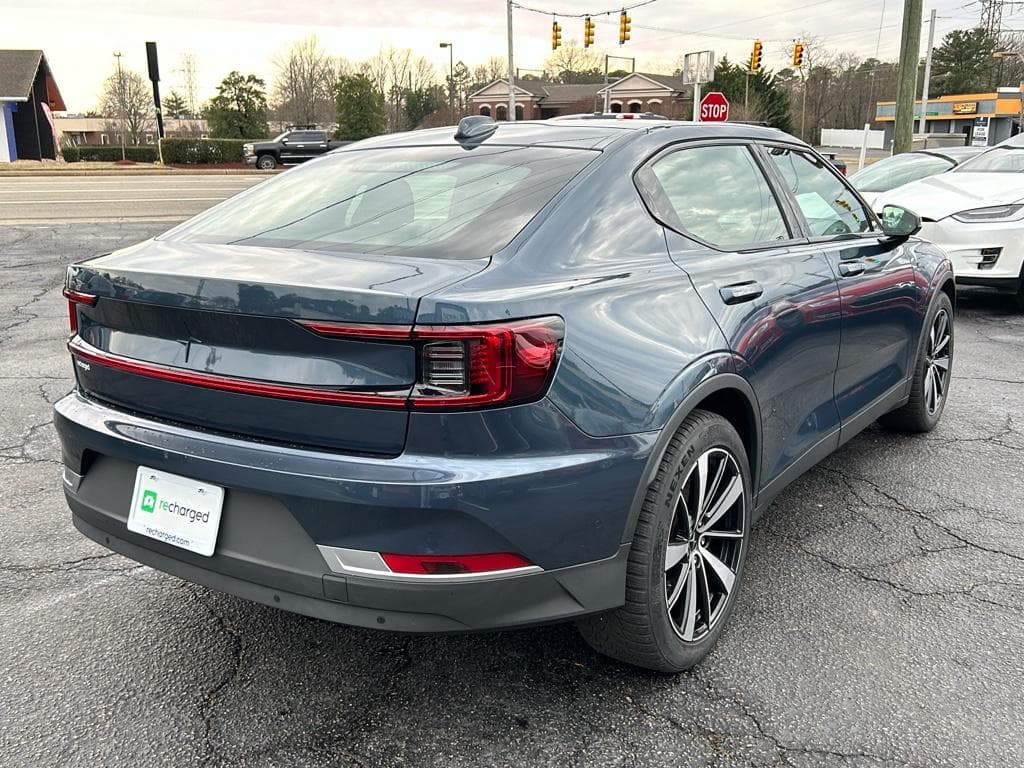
(653,628)
(266,162)
(930,387)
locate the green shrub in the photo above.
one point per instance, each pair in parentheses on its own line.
(202,151)
(144,153)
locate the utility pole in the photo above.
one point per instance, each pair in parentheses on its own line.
(910,49)
(512,66)
(927,73)
(120,99)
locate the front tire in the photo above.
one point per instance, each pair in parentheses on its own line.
(933,373)
(266,162)
(686,561)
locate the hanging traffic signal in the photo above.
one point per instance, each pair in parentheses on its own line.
(556,35)
(588,32)
(624,21)
(798,55)
(755,57)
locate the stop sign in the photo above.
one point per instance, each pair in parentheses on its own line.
(714,108)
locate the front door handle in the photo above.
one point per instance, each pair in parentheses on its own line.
(740,292)
(851,268)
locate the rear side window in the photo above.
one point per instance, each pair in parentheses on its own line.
(829,206)
(437,202)
(716,193)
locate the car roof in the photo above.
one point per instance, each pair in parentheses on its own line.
(954,153)
(585,131)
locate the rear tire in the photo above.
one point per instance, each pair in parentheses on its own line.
(932,375)
(266,162)
(686,562)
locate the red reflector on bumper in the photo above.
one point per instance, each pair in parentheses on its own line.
(447,564)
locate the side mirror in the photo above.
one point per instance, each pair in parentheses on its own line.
(284,141)
(899,222)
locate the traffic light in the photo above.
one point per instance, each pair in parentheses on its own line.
(588,32)
(798,55)
(556,35)
(624,21)
(755,57)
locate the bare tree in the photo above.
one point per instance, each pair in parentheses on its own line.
(303,88)
(396,72)
(126,96)
(572,63)
(493,69)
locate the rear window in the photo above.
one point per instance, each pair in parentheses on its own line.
(437,202)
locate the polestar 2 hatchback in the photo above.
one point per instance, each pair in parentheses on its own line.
(498,375)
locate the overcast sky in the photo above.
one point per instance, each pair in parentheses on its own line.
(79,38)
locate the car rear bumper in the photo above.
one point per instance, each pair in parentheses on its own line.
(284,508)
(971,248)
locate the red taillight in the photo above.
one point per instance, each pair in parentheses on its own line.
(436,565)
(74,299)
(473,365)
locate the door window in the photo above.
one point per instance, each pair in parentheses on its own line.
(827,203)
(716,193)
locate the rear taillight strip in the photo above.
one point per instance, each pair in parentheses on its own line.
(358,331)
(74,299)
(426,569)
(230,384)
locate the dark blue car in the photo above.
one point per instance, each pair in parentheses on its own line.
(510,374)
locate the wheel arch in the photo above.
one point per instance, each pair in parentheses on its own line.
(726,394)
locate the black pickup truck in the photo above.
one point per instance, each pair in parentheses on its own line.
(289,148)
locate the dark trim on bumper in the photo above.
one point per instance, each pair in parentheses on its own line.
(1009,284)
(517,601)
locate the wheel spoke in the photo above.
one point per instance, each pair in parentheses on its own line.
(722,571)
(716,482)
(723,534)
(941,345)
(941,323)
(680,585)
(702,485)
(941,362)
(929,384)
(674,554)
(725,502)
(940,390)
(706,594)
(690,605)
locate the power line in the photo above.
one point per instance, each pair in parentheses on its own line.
(617,9)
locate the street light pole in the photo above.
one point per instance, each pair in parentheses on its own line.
(451,80)
(511,68)
(120,99)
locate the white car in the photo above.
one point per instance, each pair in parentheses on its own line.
(886,174)
(975,213)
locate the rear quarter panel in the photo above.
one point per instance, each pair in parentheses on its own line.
(638,337)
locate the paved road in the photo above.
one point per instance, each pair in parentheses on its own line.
(53,199)
(881,622)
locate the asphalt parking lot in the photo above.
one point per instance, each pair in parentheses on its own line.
(881,622)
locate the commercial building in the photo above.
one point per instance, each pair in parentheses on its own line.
(28,99)
(983,119)
(80,130)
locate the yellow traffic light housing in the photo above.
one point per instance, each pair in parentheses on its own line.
(588,32)
(755,57)
(798,55)
(624,25)
(556,35)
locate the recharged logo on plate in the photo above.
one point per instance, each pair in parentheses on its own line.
(148,501)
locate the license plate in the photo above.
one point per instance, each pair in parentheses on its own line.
(176,510)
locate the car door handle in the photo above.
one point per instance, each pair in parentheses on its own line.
(851,268)
(740,292)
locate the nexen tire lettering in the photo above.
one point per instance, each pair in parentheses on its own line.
(193,515)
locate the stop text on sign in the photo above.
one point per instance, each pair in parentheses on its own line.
(714,108)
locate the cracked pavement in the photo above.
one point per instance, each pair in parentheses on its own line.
(881,621)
